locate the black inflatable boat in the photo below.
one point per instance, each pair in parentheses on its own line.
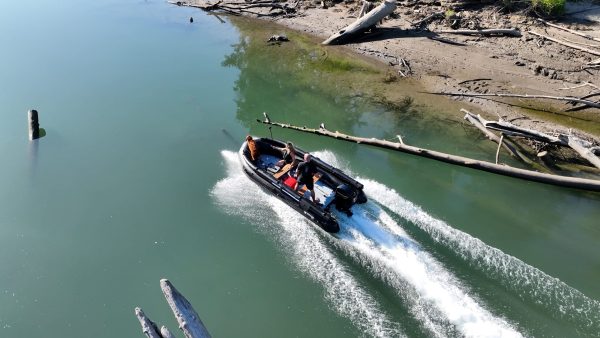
(332,187)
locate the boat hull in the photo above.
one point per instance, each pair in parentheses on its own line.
(316,213)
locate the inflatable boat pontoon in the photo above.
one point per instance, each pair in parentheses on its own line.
(332,187)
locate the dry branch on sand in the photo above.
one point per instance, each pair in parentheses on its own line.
(484,32)
(564,43)
(425,21)
(589,37)
(525,96)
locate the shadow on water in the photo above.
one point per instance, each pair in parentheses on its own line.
(34,146)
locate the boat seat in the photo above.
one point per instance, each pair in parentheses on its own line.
(284,170)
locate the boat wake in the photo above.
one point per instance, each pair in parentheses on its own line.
(436,299)
(305,246)
(372,237)
(528,282)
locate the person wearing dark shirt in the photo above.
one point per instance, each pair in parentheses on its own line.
(288,155)
(305,172)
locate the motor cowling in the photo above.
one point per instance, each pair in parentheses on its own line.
(345,197)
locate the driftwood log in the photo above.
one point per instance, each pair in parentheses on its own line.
(476,120)
(571,182)
(525,96)
(564,43)
(486,32)
(362,24)
(508,128)
(188,319)
(584,152)
(149,327)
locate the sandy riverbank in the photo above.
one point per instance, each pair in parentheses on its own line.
(520,65)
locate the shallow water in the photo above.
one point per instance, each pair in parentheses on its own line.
(137,179)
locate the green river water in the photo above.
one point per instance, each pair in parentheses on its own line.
(137,179)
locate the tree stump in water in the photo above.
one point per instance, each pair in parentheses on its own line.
(34,125)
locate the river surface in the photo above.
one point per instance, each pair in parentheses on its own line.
(137,179)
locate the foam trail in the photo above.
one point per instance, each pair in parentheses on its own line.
(375,234)
(436,286)
(307,249)
(436,297)
(523,279)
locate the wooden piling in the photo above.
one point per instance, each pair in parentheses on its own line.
(34,125)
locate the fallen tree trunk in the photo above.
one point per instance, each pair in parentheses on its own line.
(486,32)
(188,319)
(571,182)
(589,37)
(362,24)
(526,96)
(587,50)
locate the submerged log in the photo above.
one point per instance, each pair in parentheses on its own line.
(362,24)
(188,319)
(571,182)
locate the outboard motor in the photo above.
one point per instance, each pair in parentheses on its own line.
(344,198)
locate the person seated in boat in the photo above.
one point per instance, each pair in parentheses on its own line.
(289,155)
(305,172)
(253,148)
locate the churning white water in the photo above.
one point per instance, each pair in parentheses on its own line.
(434,296)
(308,250)
(521,278)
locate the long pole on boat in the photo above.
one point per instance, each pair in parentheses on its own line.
(267,119)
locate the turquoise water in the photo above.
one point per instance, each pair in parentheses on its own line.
(137,180)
